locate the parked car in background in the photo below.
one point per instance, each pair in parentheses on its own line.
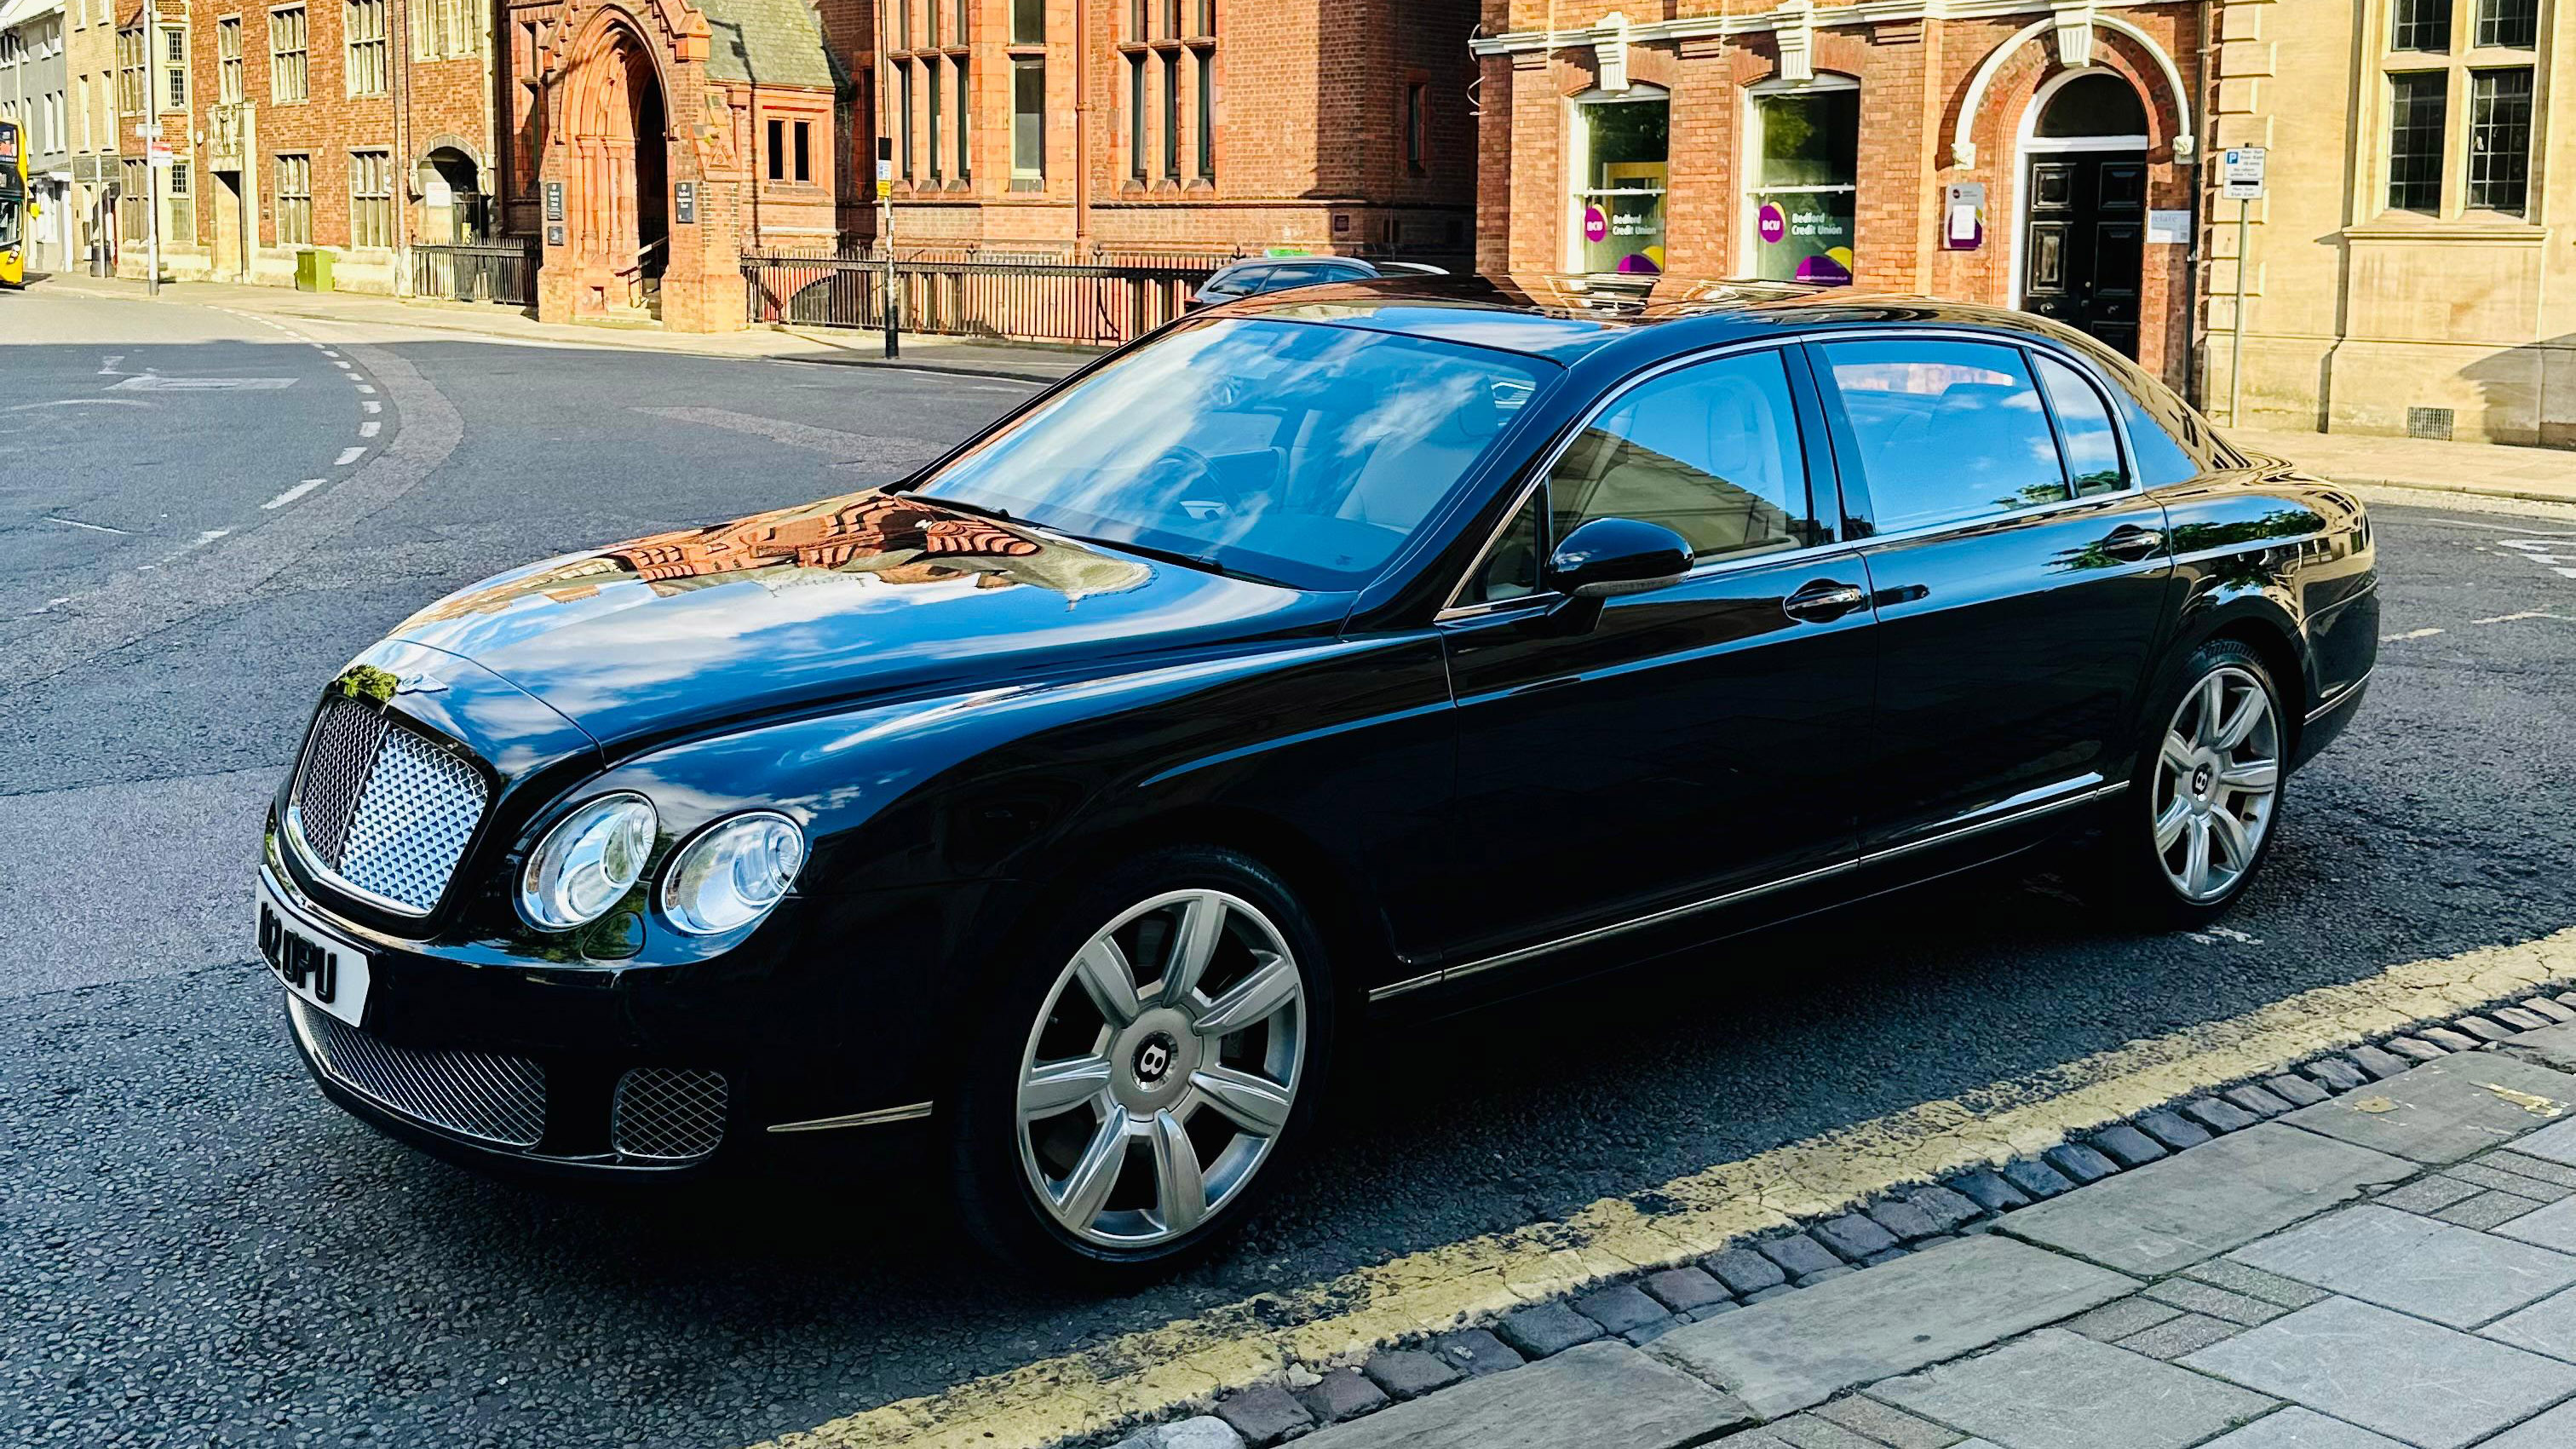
(1401,642)
(1256,275)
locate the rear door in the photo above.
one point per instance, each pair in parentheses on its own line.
(2018,575)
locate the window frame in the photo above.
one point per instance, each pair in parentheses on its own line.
(1814,452)
(1749,207)
(302,70)
(2456,62)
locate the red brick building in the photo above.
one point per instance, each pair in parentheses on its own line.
(2008,151)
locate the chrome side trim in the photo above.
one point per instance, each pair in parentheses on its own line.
(2010,813)
(877,1118)
(2340,697)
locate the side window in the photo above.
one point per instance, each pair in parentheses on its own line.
(1242,282)
(2170,441)
(1709,451)
(1510,568)
(2084,425)
(1944,431)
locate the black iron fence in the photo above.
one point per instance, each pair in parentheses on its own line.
(503,271)
(1023,300)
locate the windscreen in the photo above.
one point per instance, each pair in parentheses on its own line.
(1298,453)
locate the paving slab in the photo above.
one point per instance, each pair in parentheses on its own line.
(2553,1430)
(2168,1215)
(2056,1388)
(2444,1111)
(2488,1210)
(2297,1428)
(2551,1227)
(2548,1326)
(2413,1264)
(2414,1381)
(2553,1143)
(2551,1046)
(1592,1394)
(1789,1353)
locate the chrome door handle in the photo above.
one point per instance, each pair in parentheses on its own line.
(1823,600)
(2129,541)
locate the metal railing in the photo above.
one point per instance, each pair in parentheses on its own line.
(1020,300)
(502,271)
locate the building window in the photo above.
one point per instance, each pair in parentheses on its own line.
(2415,104)
(777,149)
(803,151)
(2421,25)
(1413,105)
(444,29)
(1806,150)
(903,24)
(286,54)
(2508,24)
(963,6)
(294,194)
(1207,19)
(129,72)
(1028,22)
(938,120)
(363,26)
(1136,142)
(1619,193)
(1028,119)
(965,170)
(1171,115)
(2499,139)
(174,68)
(903,123)
(178,208)
(930,13)
(371,199)
(1207,116)
(228,60)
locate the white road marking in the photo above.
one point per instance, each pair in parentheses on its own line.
(155,382)
(342,363)
(2527,543)
(92,527)
(81,402)
(372,405)
(2409,634)
(348,456)
(2565,573)
(107,364)
(291,494)
(2525,614)
(366,387)
(368,428)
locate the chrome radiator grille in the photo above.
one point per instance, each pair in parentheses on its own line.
(495,1098)
(668,1113)
(383,808)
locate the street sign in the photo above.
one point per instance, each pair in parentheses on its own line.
(554,201)
(147,130)
(2240,174)
(684,203)
(885,189)
(158,153)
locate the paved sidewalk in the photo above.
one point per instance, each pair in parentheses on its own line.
(2376,1250)
(2546,475)
(1025,362)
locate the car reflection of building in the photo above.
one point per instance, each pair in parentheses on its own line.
(887,537)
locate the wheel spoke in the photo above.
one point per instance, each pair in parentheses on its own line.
(2178,757)
(1272,985)
(1079,1200)
(1193,946)
(2195,860)
(2258,776)
(2239,725)
(2169,825)
(1180,1193)
(1255,1104)
(1108,981)
(2213,706)
(2232,840)
(1059,1086)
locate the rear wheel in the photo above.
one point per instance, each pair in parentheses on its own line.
(1141,1073)
(2197,820)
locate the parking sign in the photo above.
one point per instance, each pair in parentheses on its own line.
(2240,174)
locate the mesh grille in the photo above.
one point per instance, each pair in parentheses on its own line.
(383,808)
(668,1113)
(476,1094)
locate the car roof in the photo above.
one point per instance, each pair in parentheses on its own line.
(1565,319)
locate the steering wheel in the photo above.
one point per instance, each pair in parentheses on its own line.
(1185,476)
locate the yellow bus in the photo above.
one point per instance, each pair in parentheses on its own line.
(13,207)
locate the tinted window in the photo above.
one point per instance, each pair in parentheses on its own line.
(1510,569)
(1235,282)
(2084,425)
(1708,451)
(2170,442)
(1944,431)
(1281,450)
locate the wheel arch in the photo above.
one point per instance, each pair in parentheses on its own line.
(2263,626)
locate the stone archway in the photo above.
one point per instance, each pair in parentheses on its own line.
(612,160)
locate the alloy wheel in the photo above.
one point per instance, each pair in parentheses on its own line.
(2218,776)
(1162,1068)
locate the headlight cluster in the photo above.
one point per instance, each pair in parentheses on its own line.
(726,877)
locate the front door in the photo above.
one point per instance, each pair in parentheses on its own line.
(1624,757)
(2083,247)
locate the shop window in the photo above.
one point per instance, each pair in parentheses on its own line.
(1619,198)
(1806,166)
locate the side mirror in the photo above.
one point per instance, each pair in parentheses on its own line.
(1618,556)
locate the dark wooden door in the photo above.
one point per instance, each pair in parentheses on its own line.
(2080,257)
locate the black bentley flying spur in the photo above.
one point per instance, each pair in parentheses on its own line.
(1068,797)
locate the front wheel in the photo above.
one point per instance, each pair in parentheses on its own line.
(1142,1070)
(2197,820)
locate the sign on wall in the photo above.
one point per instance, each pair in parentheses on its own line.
(1963,216)
(2169,228)
(684,203)
(554,201)
(2240,173)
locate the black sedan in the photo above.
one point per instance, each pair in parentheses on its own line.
(1381,647)
(1255,275)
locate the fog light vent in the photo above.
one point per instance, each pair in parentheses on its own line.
(2434,423)
(668,1114)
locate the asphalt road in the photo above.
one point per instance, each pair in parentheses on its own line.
(194,1248)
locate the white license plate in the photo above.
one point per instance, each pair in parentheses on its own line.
(313,963)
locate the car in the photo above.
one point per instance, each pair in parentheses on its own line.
(1275,274)
(1061,807)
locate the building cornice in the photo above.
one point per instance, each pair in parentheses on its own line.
(1755,22)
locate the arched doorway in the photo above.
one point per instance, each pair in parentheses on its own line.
(618,133)
(452,207)
(2084,205)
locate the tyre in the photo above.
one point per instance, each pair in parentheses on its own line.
(1142,1068)
(2197,820)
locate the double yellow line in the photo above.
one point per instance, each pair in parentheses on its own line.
(1189,1360)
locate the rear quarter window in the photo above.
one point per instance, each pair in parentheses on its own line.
(2172,443)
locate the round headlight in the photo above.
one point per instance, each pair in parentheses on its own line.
(732,873)
(587,863)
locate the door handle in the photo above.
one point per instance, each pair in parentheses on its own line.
(1822,600)
(2128,541)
